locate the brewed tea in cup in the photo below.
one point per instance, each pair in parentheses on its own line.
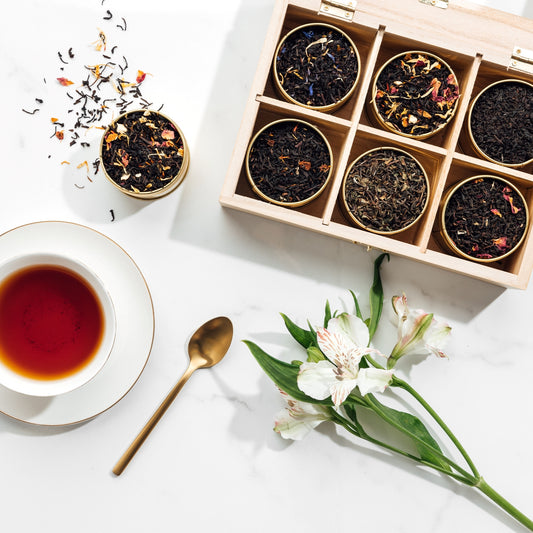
(57,324)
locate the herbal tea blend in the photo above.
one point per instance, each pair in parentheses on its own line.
(289,162)
(415,94)
(316,65)
(501,122)
(142,151)
(385,190)
(485,218)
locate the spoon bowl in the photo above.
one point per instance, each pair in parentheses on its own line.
(207,346)
(210,342)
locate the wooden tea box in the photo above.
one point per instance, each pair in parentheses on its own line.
(482,45)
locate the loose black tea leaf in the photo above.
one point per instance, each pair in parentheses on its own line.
(317,65)
(501,122)
(485,218)
(416,93)
(386,190)
(142,151)
(289,162)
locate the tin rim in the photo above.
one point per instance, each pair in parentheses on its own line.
(334,105)
(172,183)
(272,200)
(353,217)
(477,149)
(380,119)
(444,233)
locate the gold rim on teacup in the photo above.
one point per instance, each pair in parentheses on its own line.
(446,240)
(172,184)
(385,124)
(329,107)
(473,142)
(278,202)
(347,209)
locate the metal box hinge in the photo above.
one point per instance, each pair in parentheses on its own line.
(343,9)
(443,4)
(522,60)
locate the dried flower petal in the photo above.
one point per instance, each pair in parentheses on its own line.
(501,243)
(65,82)
(110,137)
(167,134)
(100,43)
(140,76)
(509,199)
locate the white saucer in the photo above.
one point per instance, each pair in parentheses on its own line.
(134,322)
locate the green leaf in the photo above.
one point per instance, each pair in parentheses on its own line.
(303,336)
(327,314)
(314,355)
(284,375)
(357,308)
(413,427)
(376,297)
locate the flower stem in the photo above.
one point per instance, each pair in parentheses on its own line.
(348,426)
(375,406)
(404,385)
(486,489)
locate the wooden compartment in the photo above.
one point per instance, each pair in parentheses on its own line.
(476,42)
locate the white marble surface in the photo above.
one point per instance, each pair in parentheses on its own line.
(214,463)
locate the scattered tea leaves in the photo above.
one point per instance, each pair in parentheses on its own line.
(100,89)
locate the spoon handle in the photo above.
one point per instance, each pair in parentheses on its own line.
(145,431)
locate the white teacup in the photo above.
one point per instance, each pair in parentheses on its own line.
(54,312)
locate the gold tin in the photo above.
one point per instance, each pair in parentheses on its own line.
(356,221)
(385,125)
(272,200)
(338,103)
(447,242)
(475,146)
(172,183)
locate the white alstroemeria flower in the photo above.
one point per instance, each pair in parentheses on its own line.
(418,332)
(299,418)
(344,343)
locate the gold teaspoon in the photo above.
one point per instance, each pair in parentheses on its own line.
(208,345)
